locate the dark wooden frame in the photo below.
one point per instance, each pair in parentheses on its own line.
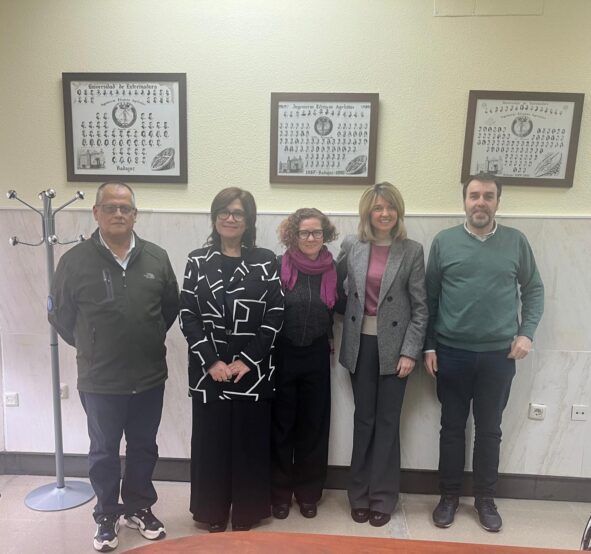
(320,97)
(179,78)
(576,98)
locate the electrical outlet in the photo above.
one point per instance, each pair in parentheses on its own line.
(579,412)
(64,391)
(537,411)
(11,399)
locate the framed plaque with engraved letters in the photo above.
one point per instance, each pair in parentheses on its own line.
(323,138)
(524,138)
(126,126)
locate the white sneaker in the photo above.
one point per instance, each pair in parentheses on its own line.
(105,538)
(147,524)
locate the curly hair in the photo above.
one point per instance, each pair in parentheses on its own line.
(289,227)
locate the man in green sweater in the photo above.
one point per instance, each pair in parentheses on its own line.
(477,275)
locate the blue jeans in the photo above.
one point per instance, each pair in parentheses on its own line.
(108,417)
(483,378)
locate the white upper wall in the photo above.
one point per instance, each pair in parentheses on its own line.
(236,52)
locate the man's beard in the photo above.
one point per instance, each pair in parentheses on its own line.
(482,222)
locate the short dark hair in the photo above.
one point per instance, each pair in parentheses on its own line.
(289,227)
(222,200)
(99,191)
(484,178)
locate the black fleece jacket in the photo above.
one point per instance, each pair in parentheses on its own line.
(115,318)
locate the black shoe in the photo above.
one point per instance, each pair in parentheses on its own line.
(238,527)
(360,515)
(105,538)
(149,526)
(280,511)
(487,513)
(308,509)
(217,527)
(377,519)
(445,511)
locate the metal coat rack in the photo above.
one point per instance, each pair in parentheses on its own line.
(61,495)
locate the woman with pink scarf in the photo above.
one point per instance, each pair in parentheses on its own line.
(301,408)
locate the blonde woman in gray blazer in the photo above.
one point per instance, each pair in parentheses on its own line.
(383,332)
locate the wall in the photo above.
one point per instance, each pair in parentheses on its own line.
(557,373)
(235,54)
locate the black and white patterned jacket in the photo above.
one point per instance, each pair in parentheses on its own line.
(238,321)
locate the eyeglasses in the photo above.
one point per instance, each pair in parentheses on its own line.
(224,214)
(112,209)
(316,233)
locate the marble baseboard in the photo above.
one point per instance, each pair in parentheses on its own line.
(2,389)
(557,373)
(557,445)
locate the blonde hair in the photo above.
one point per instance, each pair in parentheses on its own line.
(390,194)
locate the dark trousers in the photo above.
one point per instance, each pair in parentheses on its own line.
(108,417)
(483,378)
(300,422)
(230,463)
(375,462)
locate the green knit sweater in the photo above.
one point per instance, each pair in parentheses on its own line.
(473,290)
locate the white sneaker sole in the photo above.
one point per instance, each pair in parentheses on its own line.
(107,546)
(441,526)
(489,529)
(136,523)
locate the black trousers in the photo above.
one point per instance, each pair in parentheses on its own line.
(300,422)
(230,464)
(483,378)
(374,480)
(108,417)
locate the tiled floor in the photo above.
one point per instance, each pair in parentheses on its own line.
(526,523)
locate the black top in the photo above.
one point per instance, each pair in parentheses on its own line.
(307,317)
(229,265)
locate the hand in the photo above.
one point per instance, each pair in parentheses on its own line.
(520,347)
(220,372)
(404,367)
(430,360)
(331,346)
(239,369)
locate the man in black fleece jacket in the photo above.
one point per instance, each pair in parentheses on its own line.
(113,298)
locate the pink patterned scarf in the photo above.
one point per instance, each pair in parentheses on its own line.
(294,260)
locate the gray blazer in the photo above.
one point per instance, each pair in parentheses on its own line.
(402,304)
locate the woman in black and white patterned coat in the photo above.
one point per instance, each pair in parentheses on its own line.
(231,312)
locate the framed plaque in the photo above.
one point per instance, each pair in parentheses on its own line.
(323,138)
(525,138)
(126,126)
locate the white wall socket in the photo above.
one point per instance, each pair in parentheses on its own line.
(537,411)
(11,399)
(579,412)
(64,391)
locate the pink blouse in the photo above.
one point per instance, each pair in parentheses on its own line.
(375,271)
